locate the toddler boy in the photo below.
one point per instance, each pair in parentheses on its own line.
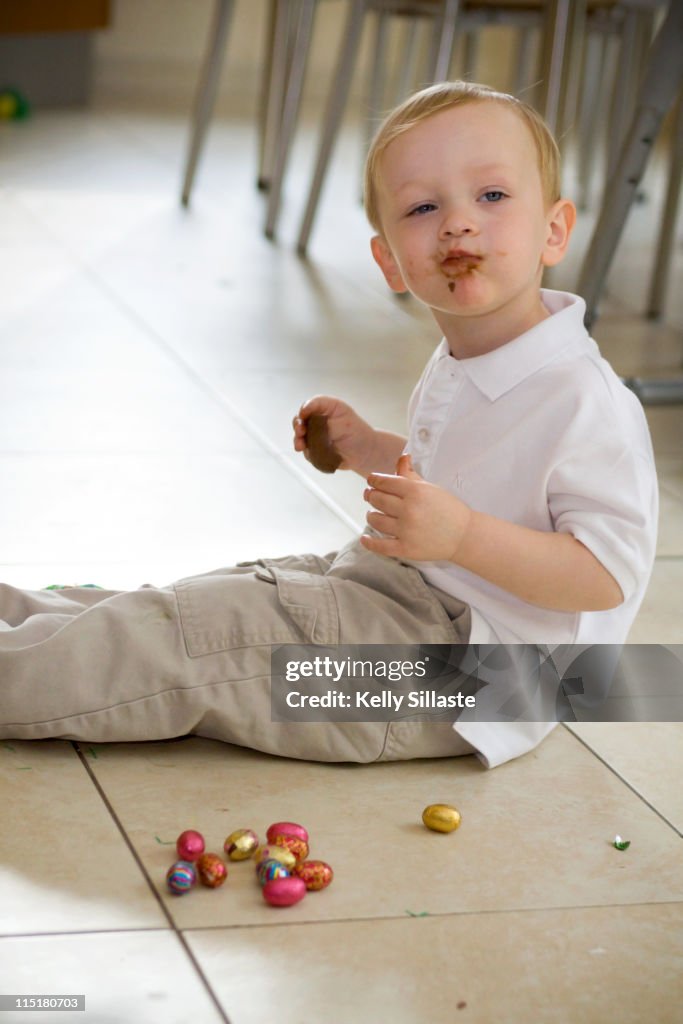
(521,509)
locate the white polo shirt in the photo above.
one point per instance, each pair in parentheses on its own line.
(540,432)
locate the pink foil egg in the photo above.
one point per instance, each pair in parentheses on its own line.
(286,828)
(211,870)
(180,877)
(316,874)
(190,845)
(284,892)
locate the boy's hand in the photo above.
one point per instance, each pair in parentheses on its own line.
(421,521)
(348,434)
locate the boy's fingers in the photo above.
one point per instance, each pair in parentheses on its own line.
(383,502)
(381,545)
(383,523)
(389,483)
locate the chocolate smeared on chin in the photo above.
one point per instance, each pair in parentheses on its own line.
(454,267)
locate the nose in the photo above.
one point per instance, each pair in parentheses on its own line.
(458,222)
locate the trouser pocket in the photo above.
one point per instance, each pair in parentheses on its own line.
(263,606)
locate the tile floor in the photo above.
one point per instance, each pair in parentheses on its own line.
(150,362)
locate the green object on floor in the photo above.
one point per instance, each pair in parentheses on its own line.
(13,105)
(71,586)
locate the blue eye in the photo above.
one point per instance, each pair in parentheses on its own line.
(422,208)
(494,196)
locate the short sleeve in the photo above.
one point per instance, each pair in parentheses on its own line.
(605,494)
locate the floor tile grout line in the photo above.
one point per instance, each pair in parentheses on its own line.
(217,396)
(234,927)
(562,908)
(169,917)
(625,781)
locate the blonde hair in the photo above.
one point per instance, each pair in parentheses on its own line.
(443,96)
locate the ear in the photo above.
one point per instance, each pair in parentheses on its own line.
(560,221)
(385,261)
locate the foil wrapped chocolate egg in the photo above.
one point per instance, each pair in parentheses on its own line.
(284,892)
(211,870)
(273,852)
(267,870)
(190,845)
(286,828)
(240,844)
(315,874)
(180,877)
(441,817)
(299,847)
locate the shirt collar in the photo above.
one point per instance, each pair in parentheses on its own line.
(499,371)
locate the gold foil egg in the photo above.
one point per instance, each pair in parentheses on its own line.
(441,817)
(316,874)
(272,852)
(240,845)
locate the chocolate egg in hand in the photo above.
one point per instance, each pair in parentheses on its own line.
(321,452)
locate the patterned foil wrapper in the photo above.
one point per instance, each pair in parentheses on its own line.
(211,870)
(180,877)
(270,869)
(295,845)
(315,873)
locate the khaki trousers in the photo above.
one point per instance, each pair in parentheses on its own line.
(194,657)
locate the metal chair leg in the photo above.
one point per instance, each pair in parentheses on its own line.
(561,19)
(206,91)
(594,90)
(273,89)
(445,27)
(659,88)
(290,109)
(333,115)
(377,77)
(667,227)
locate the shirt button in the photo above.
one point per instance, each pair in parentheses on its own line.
(423,434)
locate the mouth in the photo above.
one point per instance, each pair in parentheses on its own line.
(458,264)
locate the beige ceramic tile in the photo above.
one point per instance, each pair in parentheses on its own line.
(159,510)
(64,865)
(660,619)
(536,832)
(666,428)
(647,755)
(115,411)
(670,539)
(142,977)
(591,964)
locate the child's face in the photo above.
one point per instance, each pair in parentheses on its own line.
(465,225)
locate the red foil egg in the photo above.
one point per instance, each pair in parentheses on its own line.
(284,892)
(211,870)
(190,845)
(286,828)
(316,874)
(299,847)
